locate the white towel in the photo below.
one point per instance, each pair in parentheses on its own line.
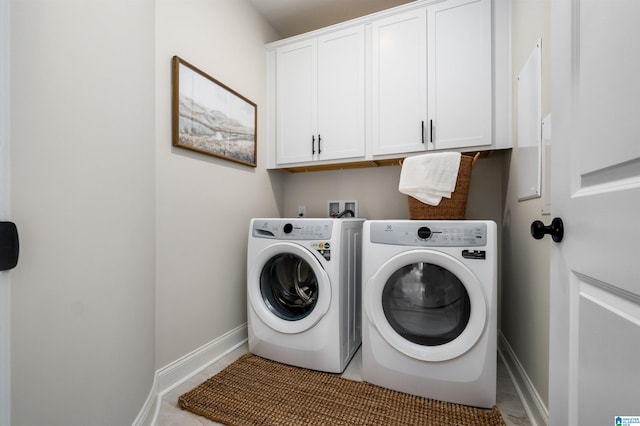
(430,177)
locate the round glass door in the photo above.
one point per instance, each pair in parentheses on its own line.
(289,287)
(426,304)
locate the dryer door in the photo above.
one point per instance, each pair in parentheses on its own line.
(288,288)
(427,305)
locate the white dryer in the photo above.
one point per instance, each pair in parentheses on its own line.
(304,291)
(430,308)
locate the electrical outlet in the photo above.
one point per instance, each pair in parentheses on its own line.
(302,211)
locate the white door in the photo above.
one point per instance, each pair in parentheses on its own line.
(5,283)
(341,94)
(296,102)
(459,73)
(595,278)
(399,83)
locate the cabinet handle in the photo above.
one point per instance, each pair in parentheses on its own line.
(431,131)
(313,144)
(422,132)
(319,140)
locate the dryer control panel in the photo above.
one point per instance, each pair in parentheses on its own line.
(293,229)
(430,233)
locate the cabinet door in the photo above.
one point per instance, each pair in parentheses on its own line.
(296,102)
(459,39)
(341,78)
(398,83)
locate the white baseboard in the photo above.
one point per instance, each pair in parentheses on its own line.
(531,401)
(175,373)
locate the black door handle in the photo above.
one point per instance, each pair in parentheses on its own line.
(431,131)
(9,246)
(556,230)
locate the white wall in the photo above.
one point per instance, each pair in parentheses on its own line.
(83,196)
(204,203)
(525,289)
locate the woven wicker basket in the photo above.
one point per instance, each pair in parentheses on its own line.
(453,208)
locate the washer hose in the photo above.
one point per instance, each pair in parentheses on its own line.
(344,212)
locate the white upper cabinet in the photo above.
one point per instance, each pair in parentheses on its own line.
(429,75)
(341,97)
(296,101)
(399,83)
(431,78)
(459,73)
(320,99)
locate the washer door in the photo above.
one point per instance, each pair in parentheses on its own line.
(427,305)
(288,288)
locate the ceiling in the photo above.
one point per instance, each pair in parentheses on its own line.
(292,17)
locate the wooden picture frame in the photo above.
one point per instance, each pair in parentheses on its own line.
(211,118)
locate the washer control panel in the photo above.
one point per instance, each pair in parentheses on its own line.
(429,233)
(293,229)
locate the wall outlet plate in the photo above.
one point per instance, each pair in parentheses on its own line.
(335,207)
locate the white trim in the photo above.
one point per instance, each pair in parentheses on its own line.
(180,370)
(533,404)
(149,411)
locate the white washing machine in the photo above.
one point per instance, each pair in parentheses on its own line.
(430,308)
(304,291)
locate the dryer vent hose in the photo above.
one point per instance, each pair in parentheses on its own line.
(345,212)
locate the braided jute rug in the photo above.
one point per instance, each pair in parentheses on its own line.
(256,391)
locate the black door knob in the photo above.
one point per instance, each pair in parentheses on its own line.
(556,229)
(9,246)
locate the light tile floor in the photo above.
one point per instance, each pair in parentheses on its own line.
(171,415)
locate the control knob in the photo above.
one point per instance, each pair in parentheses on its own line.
(424,233)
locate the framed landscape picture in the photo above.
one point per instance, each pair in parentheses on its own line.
(211,118)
